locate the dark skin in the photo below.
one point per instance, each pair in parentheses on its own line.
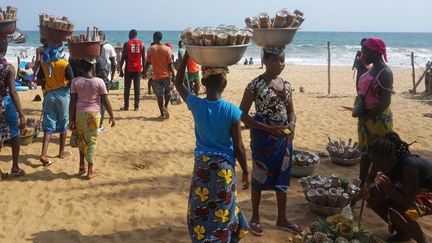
(383,189)
(161,104)
(274,67)
(213,95)
(72,125)
(384,97)
(15,142)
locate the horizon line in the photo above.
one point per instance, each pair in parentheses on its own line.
(324,31)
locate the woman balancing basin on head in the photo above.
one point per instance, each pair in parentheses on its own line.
(213,211)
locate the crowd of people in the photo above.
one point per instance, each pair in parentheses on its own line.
(397,184)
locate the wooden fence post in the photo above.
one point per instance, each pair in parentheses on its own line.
(413,73)
(328,66)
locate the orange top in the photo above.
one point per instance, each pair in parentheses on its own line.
(160,56)
(192,66)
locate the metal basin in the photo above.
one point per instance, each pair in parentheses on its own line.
(345,162)
(7,27)
(83,50)
(216,56)
(274,37)
(55,35)
(323,211)
(302,171)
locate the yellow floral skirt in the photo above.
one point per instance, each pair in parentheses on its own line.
(87,125)
(213,213)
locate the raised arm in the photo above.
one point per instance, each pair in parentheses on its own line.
(178,83)
(240,152)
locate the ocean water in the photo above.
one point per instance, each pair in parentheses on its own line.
(308,48)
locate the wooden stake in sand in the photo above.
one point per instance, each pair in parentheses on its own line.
(413,73)
(328,66)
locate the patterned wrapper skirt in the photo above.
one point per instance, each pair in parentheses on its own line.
(372,129)
(87,125)
(213,214)
(271,161)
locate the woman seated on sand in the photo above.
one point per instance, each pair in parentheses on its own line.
(402,190)
(213,213)
(84,112)
(377,87)
(271,155)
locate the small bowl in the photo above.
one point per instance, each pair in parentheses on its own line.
(54,34)
(323,211)
(82,50)
(216,56)
(7,27)
(274,37)
(345,162)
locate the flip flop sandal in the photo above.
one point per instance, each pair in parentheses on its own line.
(18,173)
(46,163)
(82,172)
(291,228)
(256,229)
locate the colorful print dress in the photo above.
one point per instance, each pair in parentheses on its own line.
(213,213)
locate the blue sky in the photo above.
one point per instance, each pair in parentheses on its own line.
(321,15)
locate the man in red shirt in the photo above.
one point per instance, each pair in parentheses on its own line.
(161,58)
(134,56)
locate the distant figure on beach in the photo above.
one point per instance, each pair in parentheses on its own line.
(149,74)
(271,155)
(87,93)
(193,76)
(55,76)
(251,62)
(105,70)
(119,50)
(161,58)
(134,56)
(12,118)
(401,192)
(245,62)
(180,56)
(171,48)
(213,205)
(376,86)
(39,54)
(359,65)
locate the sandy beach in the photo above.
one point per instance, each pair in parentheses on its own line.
(146,165)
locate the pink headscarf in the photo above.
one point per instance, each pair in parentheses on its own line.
(378,45)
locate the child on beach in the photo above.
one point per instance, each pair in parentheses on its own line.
(84,111)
